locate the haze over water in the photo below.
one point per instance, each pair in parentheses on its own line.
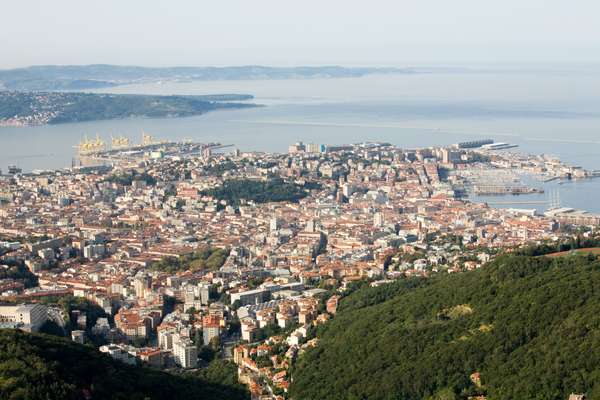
(552,112)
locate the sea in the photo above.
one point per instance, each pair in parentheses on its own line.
(554,111)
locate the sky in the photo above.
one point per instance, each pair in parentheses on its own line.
(300,32)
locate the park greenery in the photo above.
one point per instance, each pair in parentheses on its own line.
(38,366)
(528,325)
(127,178)
(233,191)
(207,258)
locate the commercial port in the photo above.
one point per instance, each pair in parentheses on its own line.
(93,152)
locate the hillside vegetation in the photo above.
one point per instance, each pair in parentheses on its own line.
(35,366)
(39,108)
(520,328)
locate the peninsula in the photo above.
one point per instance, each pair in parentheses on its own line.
(41,108)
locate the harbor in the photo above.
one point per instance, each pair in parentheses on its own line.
(95,152)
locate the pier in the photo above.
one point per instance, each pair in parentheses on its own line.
(525,202)
(504,189)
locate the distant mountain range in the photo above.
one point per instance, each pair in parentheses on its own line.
(79,77)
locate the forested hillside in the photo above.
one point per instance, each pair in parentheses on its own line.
(520,328)
(40,108)
(35,366)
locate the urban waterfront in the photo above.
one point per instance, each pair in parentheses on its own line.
(527,109)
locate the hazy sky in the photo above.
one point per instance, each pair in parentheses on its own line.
(286,32)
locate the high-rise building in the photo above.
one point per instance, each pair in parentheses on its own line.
(165,338)
(378,219)
(314,148)
(185,353)
(450,156)
(142,285)
(297,148)
(204,293)
(274,224)
(211,328)
(347,190)
(310,226)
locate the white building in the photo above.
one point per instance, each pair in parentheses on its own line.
(165,339)
(274,224)
(27,317)
(118,353)
(248,330)
(185,353)
(209,332)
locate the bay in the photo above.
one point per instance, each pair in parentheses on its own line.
(554,112)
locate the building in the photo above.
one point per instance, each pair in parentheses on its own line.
(347,190)
(132,324)
(314,148)
(274,224)
(94,250)
(254,296)
(450,156)
(27,317)
(332,304)
(185,353)
(378,220)
(204,293)
(118,353)
(165,338)
(249,331)
(211,328)
(78,336)
(142,284)
(152,356)
(298,147)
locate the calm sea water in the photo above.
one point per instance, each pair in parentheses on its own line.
(555,113)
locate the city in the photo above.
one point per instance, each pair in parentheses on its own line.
(271,200)
(170,257)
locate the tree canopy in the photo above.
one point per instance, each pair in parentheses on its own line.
(235,190)
(528,325)
(206,259)
(36,366)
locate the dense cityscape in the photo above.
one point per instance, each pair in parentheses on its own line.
(186,254)
(339,200)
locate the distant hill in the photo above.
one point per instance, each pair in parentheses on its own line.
(39,108)
(519,328)
(79,77)
(35,366)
